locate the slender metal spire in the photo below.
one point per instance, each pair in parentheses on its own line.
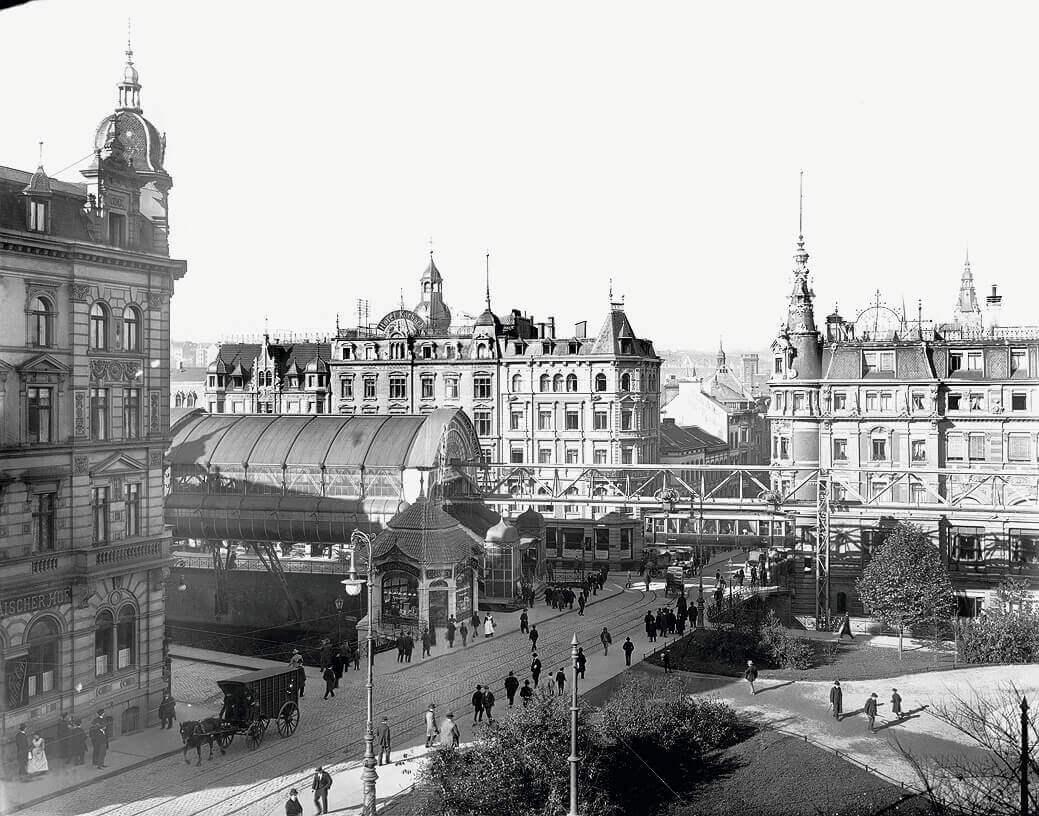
(129,47)
(41,154)
(801,206)
(487,272)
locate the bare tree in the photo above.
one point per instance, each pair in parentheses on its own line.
(985,779)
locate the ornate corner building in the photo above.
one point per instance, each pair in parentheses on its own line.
(85,287)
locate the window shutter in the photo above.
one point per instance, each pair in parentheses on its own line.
(955,446)
(977,446)
(1020,449)
(995,447)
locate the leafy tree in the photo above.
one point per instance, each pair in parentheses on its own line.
(1008,631)
(905,581)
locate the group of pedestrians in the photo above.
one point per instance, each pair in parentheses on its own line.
(69,746)
(667,621)
(869,708)
(335,661)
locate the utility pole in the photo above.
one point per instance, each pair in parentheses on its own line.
(574,759)
(1024,752)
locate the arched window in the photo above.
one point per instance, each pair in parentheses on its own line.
(517,383)
(41,322)
(625,382)
(557,382)
(600,382)
(481,352)
(545,382)
(178,401)
(450,350)
(126,638)
(131,329)
(99,326)
(104,643)
(192,399)
(571,382)
(42,668)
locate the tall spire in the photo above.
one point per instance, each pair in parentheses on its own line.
(801,313)
(130,87)
(487,272)
(967,311)
(721,356)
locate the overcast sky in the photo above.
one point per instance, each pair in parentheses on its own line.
(316,147)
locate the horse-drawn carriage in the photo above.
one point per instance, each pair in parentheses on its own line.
(252,701)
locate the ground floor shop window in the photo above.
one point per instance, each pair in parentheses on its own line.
(34,673)
(399,595)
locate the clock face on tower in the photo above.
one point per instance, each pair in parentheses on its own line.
(401,321)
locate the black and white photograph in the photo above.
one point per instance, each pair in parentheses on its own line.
(459,408)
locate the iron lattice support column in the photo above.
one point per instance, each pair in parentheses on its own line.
(268,556)
(822,548)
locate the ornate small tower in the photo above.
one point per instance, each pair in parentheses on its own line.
(967,312)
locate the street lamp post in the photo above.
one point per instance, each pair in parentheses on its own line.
(574,759)
(339,620)
(352,586)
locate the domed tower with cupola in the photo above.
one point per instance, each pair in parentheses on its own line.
(794,410)
(432,309)
(127,180)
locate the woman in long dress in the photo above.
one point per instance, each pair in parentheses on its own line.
(37,756)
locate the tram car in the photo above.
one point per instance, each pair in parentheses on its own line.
(678,537)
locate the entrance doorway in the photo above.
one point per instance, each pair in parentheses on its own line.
(438,604)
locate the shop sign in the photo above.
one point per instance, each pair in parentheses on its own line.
(433,574)
(398,566)
(35,602)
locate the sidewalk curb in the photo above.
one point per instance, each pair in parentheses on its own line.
(211,662)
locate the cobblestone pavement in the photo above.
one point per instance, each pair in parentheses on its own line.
(331,732)
(194,685)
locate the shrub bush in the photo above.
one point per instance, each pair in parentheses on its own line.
(1000,638)
(785,650)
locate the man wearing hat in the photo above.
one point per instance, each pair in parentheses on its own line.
(322,782)
(292,805)
(836,699)
(431,725)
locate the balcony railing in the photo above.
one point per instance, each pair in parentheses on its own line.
(117,555)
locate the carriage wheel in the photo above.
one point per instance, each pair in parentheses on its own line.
(288,719)
(256,731)
(225,738)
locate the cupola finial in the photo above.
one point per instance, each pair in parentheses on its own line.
(130,87)
(487,273)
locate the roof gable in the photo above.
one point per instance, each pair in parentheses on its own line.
(117,463)
(43,364)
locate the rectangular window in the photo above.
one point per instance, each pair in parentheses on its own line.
(38,414)
(1024,546)
(600,420)
(871,402)
(977,402)
(599,456)
(918,402)
(799,401)
(1019,362)
(784,447)
(116,229)
(398,387)
(1018,401)
(486,456)
(481,387)
(878,450)
(427,386)
(918,450)
(516,456)
(132,509)
(43,511)
(952,402)
(840,401)
(976,450)
(571,456)
(974,361)
(878,361)
(885,402)
(1020,447)
(346,388)
(840,450)
(99,506)
(626,419)
(451,388)
(573,419)
(956,448)
(627,456)
(955,361)
(777,365)
(38,216)
(544,420)
(99,414)
(966,544)
(131,413)
(917,493)
(482,421)
(544,456)
(516,421)
(369,387)
(347,352)
(553,541)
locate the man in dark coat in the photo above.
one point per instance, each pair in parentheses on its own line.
(896,703)
(837,700)
(451,632)
(560,680)
(21,747)
(666,660)
(301,678)
(526,693)
(524,621)
(337,665)
(511,686)
(400,647)
(580,604)
(651,627)
(488,703)
(425,643)
(99,742)
(477,701)
(409,647)
(329,676)
(292,805)
(534,635)
(77,743)
(167,710)
(628,648)
(320,785)
(871,711)
(581,661)
(474,624)
(535,669)
(382,739)
(61,743)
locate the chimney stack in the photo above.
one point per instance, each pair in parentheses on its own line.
(551,328)
(993,309)
(581,329)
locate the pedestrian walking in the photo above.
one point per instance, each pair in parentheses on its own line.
(871,711)
(845,629)
(400,647)
(301,679)
(533,635)
(511,687)
(292,805)
(451,626)
(320,784)
(628,647)
(99,742)
(753,576)
(837,700)
(651,627)
(477,701)
(606,639)
(896,703)
(647,582)
(425,643)
(535,669)
(409,647)
(449,730)
(524,620)
(60,745)
(560,680)
(474,624)
(167,710)
(580,604)
(665,658)
(382,738)
(488,625)
(432,732)
(329,677)
(464,632)
(21,749)
(296,659)
(750,675)
(581,661)
(526,693)
(488,703)
(77,743)
(355,655)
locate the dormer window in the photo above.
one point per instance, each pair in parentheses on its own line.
(574,348)
(881,361)
(116,229)
(38,216)
(626,347)
(348,352)
(427,352)
(974,361)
